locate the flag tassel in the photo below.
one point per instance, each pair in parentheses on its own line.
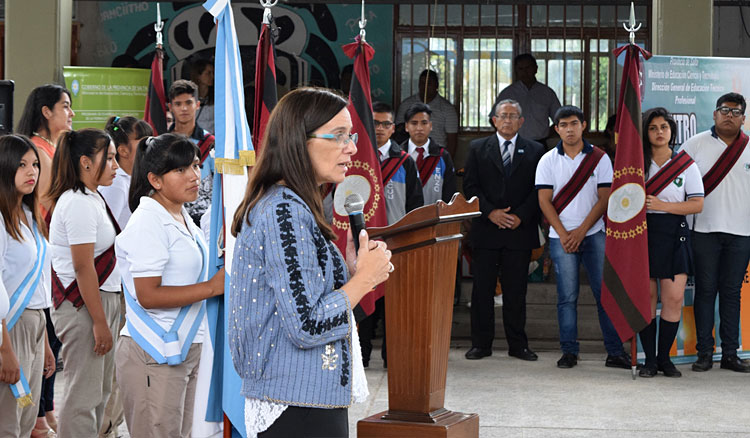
(25,401)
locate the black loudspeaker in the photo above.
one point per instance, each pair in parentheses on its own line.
(6,107)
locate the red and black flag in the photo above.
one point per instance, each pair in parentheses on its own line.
(156,100)
(265,84)
(625,283)
(364,176)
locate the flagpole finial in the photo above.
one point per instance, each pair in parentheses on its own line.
(267,5)
(630,26)
(158,27)
(362,23)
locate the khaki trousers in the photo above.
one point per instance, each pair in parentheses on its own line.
(157,398)
(113,414)
(27,339)
(88,377)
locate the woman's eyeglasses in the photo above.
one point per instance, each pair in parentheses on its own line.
(341,138)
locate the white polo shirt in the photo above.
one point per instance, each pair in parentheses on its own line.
(727,208)
(444,117)
(17,258)
(80,218)
(688,184)
(116,196)
(555,169)
(154,244)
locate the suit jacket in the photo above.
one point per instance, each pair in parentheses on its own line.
(486,179)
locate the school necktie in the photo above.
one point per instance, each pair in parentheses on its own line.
(506,155)
(420,156)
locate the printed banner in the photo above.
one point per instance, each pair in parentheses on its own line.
(688,87)
(98,93)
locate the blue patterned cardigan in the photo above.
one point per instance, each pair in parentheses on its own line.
(289,323)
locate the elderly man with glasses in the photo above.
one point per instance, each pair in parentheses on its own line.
(500,171)
(721,233)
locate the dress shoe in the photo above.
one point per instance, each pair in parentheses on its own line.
(524,354)
(619,361)
(648,370)
(734,363)
(669,369)
(704,363)
(568,360)
(475,353)
(365,363)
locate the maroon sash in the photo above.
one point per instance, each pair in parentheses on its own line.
(428,166)
(205,145)
(389,167)
(724,164)
(578,180)
(104,265)
(668,173)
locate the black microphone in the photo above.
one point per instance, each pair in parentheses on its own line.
(354,205)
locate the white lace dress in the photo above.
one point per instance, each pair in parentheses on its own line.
(261,414)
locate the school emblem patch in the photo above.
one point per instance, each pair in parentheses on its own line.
(678,181)
(747,167)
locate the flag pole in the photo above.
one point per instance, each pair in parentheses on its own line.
(158,27)
(632,29)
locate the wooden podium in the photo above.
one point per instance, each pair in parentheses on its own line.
(419,314)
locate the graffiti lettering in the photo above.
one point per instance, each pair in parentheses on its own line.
(123,9)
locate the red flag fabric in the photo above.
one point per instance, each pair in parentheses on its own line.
(364,175)
(156,100)
(265,84)
(625,282)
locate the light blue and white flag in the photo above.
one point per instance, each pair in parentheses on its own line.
(233,153)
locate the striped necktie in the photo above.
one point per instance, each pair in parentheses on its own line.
(506,155)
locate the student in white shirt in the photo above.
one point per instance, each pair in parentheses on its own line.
(164,265)
(24,276)
(82,234)
(669,254)
(126,132)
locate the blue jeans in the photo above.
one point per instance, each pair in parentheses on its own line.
(567,265)
(720,263)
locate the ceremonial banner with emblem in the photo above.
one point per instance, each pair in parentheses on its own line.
(265,81)
(625,283)
(364,176)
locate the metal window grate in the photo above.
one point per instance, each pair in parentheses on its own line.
(472,45)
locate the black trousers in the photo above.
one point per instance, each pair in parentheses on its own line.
(367,329)
(513,267)
(309,423)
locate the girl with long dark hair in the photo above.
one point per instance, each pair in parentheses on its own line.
(24,268)
(674,188)
(85,277)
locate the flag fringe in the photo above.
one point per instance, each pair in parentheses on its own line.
(235,166)
(25,401)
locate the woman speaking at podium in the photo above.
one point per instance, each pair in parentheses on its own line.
(292,333)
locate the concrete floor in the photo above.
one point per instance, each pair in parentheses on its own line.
(536,399)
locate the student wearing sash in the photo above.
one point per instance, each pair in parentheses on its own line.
(46,115)
(674,189)
(573,184)
(403,193)
(125,132)
(85,278)
(163,261)
(721,232)
(292,334)
(24,277)
(184,105)
(434,163)
(500,171)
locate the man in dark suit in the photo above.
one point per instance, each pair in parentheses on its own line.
(500,171)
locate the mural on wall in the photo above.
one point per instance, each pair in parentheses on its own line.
(308,40)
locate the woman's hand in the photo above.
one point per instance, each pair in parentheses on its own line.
(655,204)
(50,364)
(216,283)
(373,261)
(10,370)
(102,338)
(351,253)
